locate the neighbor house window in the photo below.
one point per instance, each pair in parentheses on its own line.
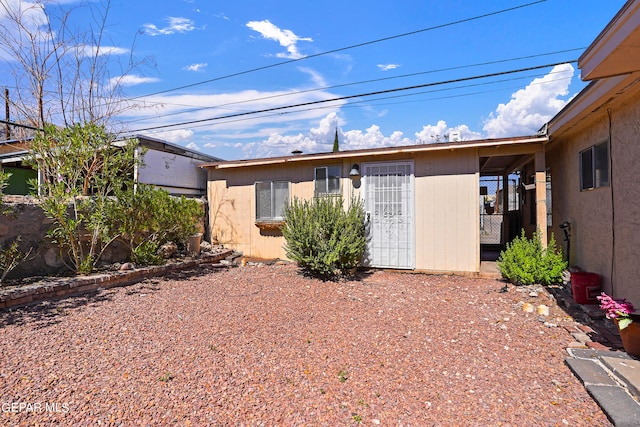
(271,199)
(594,167)
(327,180)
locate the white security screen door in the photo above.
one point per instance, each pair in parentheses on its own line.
(389,206)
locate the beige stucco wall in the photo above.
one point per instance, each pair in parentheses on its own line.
(446,206)
(605,215)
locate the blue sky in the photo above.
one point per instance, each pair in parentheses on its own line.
(188,42)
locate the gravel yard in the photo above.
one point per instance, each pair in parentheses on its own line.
(263,345)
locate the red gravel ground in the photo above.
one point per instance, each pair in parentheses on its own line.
(265,346)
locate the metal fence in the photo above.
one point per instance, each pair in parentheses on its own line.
(491,207)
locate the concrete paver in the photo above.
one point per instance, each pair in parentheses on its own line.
(612,379)
(628,370)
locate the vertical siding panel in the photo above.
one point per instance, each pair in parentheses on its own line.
(445,206)
(446,211)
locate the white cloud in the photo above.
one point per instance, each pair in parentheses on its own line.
(176,25)
(167,109)
(440,132)
(387,67)
(210,145)
(196,67)
(530,108)
(320,138)
(193,146)
(316,77)
(33,22)
(175,136)
(131,80)
(286,38)
(373,137)
(86,50)
(32,14)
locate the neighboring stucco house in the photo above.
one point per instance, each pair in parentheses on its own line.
(593,157)
(422,202)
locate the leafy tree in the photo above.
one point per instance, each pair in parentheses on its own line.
(81,170)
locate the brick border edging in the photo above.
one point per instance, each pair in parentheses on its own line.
(65,287)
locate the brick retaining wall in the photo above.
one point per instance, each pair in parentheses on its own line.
(55,288)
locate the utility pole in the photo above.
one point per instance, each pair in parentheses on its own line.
(7,134)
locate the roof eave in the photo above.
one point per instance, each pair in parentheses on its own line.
(408,149)
(612,52)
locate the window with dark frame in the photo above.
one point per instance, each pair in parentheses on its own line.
(272,198)
(327,180)
(594,167)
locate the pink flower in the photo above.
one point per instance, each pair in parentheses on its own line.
(619,309)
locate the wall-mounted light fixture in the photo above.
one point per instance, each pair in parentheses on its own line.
(355,171)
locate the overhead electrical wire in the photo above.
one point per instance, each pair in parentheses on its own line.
(452,23)
(371,42)
(353,104)
(346,97)
(315,55)
(460,67)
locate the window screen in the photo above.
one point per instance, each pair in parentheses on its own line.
(327,180)
(271,200)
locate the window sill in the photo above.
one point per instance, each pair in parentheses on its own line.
(270,225)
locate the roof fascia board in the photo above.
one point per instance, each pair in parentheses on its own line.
(159,144)
(613,35)
(378,152)
(589,99)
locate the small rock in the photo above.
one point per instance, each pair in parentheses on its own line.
(206,246)
(168,250)
(550,325)
(533,294)
(527,307)
(127,266)
(543,310)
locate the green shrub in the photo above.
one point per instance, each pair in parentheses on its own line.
(150,217)
(525,261)
(324,238)
(146,253)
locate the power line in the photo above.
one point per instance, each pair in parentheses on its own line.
(347,84)
(341,98)
(19,125)
(265,67)
(353,104)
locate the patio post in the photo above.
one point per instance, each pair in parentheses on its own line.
(541,196)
